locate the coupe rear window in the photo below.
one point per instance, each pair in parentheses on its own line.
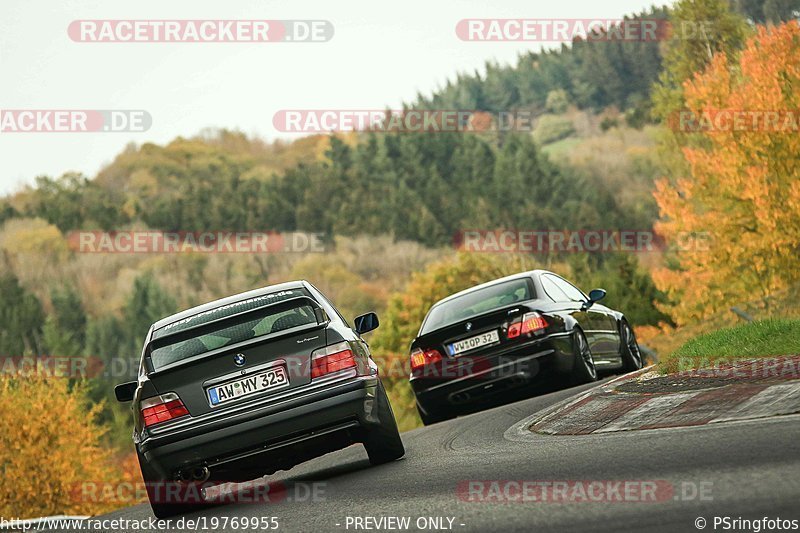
(477,303)
(251,325)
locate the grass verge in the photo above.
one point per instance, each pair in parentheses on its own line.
(762,338)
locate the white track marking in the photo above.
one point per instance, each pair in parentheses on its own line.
(649,413)
(782,399)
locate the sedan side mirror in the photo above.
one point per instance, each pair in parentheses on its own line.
(365,323)
(595,295)
(125,391)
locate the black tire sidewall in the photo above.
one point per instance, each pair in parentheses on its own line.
(629,364)
(383,442)
(581,374)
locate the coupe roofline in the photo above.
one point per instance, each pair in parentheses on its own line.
(512,277)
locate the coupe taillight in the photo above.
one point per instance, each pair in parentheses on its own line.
(162,408)
(530,323)
(420,357)
(331,359)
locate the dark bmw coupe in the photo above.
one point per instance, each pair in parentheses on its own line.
(475,346)
(251,384)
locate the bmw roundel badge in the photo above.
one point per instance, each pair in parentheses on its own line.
(239,359)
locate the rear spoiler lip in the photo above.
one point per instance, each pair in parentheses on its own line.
(189,332)
(196,331)
(232,347)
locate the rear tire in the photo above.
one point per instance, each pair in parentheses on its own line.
(629,349)
(583,369)
(383,442)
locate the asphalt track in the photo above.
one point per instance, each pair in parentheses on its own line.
(748,470)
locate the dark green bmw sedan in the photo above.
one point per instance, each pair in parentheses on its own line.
(251,384)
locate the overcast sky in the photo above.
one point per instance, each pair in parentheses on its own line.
(382,54)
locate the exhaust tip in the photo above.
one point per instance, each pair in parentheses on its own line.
(200,473)
(193,474)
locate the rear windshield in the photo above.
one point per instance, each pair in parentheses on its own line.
(477,303)
(249,327)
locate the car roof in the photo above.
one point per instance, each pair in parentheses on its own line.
(300,284)
(512,277)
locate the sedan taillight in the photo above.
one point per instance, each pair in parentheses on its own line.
(162,408)
(420,357)
(331,359)
(530,323)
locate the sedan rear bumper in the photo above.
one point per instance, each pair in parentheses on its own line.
(271,437)
(494,374)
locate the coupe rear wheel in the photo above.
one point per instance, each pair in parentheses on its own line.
(383,442)
(629,349)
(583,369)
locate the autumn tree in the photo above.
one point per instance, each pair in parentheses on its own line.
(51,449)
(741,188)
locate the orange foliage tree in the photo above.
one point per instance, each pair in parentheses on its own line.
(742,193)
(51,450)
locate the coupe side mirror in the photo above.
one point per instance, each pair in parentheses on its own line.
(125,391)
(595,295)
(366,322)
